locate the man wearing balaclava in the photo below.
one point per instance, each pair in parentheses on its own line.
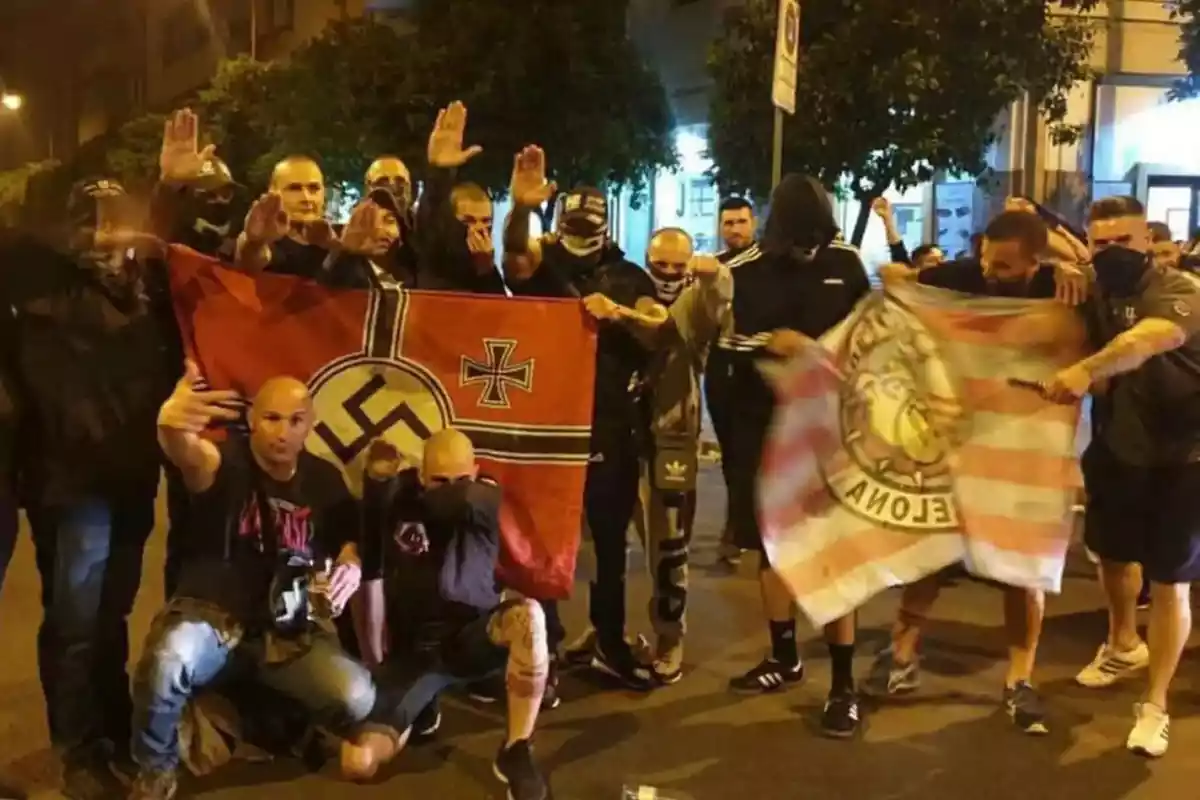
(196,200)
(806,281)
(88,355)
(1142,468)
(697,290)
(579,260)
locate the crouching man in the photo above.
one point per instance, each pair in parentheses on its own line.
(270,520)
(432,540)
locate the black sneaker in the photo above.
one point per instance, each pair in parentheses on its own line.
(769,676)
(514,765)
(1025,708)
(580,652)
(489,691)
(840,718)
(551,698)
(428,721)
(154,786)
(619,662)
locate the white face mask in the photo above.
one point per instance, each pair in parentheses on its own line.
(668,289)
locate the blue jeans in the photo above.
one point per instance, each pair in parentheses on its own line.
(185,652)
(89,555)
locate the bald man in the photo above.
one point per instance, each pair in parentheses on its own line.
(286,230)
(697,291)
(267,516)
(389,172)
(431,548)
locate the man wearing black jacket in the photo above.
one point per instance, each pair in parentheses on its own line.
(89,360)
(805,283)
(430,553)
(579,260)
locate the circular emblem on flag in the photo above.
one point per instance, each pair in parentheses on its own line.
(360,399)
(1181,309)
(899,415)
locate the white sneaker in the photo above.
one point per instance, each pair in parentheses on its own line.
(1149,734)
(1111,665)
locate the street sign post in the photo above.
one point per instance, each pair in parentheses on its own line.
(783,85)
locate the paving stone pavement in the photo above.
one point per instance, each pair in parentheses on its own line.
(695,741)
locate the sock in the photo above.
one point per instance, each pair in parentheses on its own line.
(842,658)
(783,643)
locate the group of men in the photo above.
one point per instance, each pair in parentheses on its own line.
(267,545)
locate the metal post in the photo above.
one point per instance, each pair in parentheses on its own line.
(777,150)
(254,30)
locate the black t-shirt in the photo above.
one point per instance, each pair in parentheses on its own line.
(1152,415)
(290,257)
(425,544)
(966,275)
(225,559)
(619,355)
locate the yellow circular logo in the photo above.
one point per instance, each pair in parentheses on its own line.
(899,415)
(361,399)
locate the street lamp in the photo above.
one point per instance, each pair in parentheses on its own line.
(12,101)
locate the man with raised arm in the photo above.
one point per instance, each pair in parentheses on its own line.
(269,520)
(579,260)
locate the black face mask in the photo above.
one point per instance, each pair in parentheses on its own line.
(215,215)
(1119,270)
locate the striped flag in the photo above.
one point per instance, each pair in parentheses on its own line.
(910,439)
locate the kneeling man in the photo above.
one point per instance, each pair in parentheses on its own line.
(265,513)
(432,542)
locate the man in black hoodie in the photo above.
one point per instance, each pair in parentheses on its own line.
(805,282)
(579,260)
(88,357)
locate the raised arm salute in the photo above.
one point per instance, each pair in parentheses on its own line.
(185,415)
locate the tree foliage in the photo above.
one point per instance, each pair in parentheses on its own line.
(562,75)
(1187,13)
(889,94)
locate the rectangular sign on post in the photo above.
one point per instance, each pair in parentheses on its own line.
(787,49)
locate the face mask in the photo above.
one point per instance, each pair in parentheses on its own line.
(1119,269)
(668,289)
(214,217)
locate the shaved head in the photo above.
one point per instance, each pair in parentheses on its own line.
(449,456)
(668,257)
(299,181)
(389,172)
(281,417)
(672,237)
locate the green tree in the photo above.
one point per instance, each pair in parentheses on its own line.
(1187,13)
(563,75)
(890,94)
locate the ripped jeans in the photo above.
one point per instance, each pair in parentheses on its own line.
(189,648)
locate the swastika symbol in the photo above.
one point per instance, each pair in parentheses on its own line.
(497,374)
(354,405)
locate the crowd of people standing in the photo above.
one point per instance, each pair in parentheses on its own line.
(267,547)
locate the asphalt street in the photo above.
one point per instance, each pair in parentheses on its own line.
(696,741)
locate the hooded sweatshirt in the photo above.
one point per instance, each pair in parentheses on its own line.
(807,279)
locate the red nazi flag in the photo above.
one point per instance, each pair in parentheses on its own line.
(516,375)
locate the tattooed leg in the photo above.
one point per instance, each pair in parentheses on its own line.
(521,628)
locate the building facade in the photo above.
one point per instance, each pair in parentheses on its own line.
(115,58)
(1135,141)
